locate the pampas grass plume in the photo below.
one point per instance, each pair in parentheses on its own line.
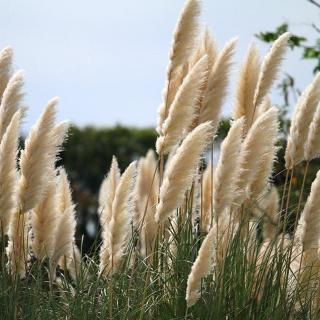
(259,140)
(301,121)
(201,268)
(6,55)
(217,85)
(183,107)
(312,147)
(8,169)
(227,171)
(44,223)
(10,101)
(38,158)
(182,168)
(246,86)
(117,235)
(182,46)
(270,67)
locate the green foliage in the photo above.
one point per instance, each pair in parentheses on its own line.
(310,51)
(155,288)
(89,151)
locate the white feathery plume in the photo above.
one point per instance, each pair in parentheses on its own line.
(38,157)
(44,223)
(301,121)
(64,243)
(183,107)
(181,170)
(227,171)
(312,147)
(117,235)
(146,197)
(107,193)
(270,67)
(200,268)
(182,47)
(259,140)
(246,86)
(264,172)
(5,68)
(207,198)
(308,229)
(8,170)
(217,85)
(11,101)
(270,206)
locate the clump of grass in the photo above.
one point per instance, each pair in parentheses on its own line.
(181,237)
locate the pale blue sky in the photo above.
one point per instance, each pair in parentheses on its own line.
(106,60)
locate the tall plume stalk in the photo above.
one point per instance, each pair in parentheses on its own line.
(8,170)
(106,197)
(44,223)
(181,170)
(183,107)
(206,209)
(36,161)
(227,171)
(259,141)
(182,47)
(5,68)
(217,85)
(312,147)
(107,193)
(246,86)
(270,68)
(299,129)
(11,101)
(201,268)
(64,243)
(117,238)
(146,197)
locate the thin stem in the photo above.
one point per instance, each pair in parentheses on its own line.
(285,222)
(302,188)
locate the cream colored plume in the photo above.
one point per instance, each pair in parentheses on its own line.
(181,170)
(227,171)
(308,229)
(5,68)
(64,242)
(8,170)
(217,85)
(201,268)
(44,223)
(301,121)
(11,101)
(264,172)
(147,189)
(18,245)
(259,140)
(119,231)
(270,68)
(270,207)
(38,158)
(312,147)
(183,107)
(182,47)
(209,47)
(263,107)
(246,86)
(207,198)
(107,193)
(64,191)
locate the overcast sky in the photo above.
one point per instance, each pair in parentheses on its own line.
(106,60)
